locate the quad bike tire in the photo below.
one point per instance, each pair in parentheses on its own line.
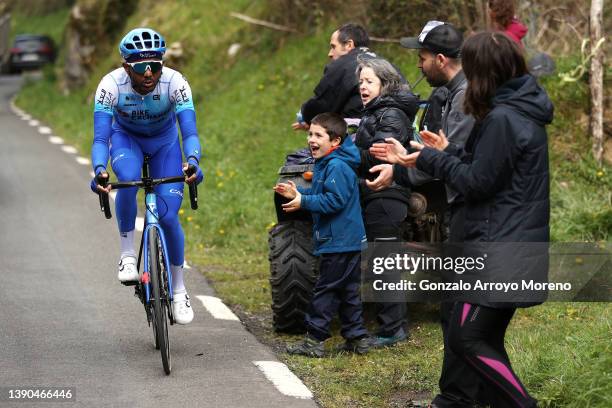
(293,274)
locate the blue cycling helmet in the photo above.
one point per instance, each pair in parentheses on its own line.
(142,43)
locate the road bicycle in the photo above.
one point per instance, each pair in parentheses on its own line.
(154,288)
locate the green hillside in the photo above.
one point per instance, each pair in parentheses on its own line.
(245,105)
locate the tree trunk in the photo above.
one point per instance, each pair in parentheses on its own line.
(596,80)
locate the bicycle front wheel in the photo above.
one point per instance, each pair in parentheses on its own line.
(160,314)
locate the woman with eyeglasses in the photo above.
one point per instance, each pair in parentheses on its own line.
(136,108)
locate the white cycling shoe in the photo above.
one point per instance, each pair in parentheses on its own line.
(181,308)
(127,269)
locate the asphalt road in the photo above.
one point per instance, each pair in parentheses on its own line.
(65,319)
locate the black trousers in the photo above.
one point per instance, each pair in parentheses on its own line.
(476,335)
(337,291)
(459,385)
(383,218)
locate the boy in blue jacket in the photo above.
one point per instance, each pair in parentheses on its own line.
(338,233)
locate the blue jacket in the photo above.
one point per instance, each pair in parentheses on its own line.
(333,201)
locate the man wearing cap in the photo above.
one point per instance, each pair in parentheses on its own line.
(439,46)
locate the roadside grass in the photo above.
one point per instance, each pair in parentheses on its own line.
(50,24)
(245,106)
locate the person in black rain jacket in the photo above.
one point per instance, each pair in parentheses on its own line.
(389,110)
(503,175)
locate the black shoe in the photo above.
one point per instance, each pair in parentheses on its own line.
(309,347)
(358,346)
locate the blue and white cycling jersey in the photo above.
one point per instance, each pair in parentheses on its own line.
(143,114)
(150,115)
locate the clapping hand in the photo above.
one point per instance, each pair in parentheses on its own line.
(384,178)
(289,190)
(389,151)
(393,152)
(438,142)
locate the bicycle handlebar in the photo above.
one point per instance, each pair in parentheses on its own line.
(147,182)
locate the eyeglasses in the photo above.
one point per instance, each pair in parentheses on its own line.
(142,66)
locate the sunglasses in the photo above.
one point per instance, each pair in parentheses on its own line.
(142,66)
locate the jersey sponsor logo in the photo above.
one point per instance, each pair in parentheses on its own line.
(156,97)
(105,100)
(129,98)
(102,96)
(177,192)
(183,91)
(180,96)
(140,114)
(148,54)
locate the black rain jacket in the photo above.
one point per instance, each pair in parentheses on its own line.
(386,116)
(338,90)
(503,176)
(503,171)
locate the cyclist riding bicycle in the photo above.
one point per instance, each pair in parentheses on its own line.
(135,113)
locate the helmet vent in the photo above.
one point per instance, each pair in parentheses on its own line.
(137,42)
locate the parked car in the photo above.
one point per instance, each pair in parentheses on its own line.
(30,51)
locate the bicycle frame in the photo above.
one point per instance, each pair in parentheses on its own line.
(151,221)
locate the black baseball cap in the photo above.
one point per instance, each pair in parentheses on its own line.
(437,37)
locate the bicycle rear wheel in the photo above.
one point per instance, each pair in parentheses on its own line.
(160,315)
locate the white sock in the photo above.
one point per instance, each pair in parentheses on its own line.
(178,285)
(127,243)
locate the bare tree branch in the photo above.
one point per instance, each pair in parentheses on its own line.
(390,40)
(263,23)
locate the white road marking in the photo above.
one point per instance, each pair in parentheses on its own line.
(56,140)
(26,117)
(217,308)
(186,265)
(139,224)
(83,160)
(69,149)
(283,379)
(44,130)
(33,122)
